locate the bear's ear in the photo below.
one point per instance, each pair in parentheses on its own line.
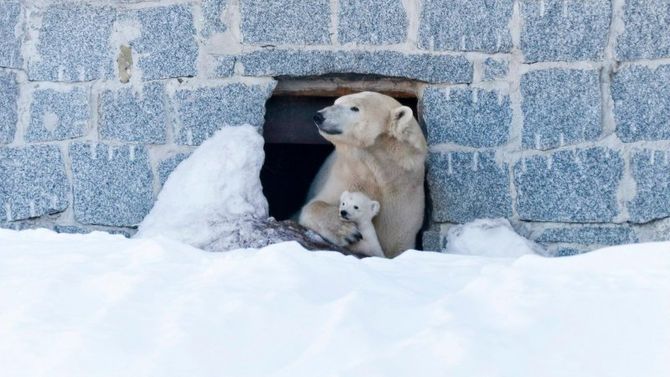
(402,114)
(374,206)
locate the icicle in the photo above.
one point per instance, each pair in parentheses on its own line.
(542,8)
(33,212)
(131,152)
(94,151)
(450,168)
(475,161)
(538,142)
(8,212)
(475,95)
(110,153)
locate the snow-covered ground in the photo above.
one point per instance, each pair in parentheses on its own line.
(103,305)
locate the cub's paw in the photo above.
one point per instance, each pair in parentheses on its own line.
(348,234)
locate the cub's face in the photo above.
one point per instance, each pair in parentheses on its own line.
(356,119)
(356,206)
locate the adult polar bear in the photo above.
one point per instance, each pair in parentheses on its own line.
(380,151)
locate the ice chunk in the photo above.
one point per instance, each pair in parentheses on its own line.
(489,237)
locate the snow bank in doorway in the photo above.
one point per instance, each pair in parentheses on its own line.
(215,195)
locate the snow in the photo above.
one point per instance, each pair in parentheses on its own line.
(103,305)
(489,237)
(214,195)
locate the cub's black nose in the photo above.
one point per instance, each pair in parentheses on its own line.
(318,118)
(344,213)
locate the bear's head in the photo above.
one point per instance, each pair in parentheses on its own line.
(359,119)
(356,206)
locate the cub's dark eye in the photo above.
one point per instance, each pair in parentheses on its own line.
(355,207)
(354,109)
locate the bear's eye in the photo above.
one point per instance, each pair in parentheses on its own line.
(354,108)
(355,207)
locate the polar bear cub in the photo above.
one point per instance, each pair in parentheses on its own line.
(360,209)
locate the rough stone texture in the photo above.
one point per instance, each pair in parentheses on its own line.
(560,106)
(647,30)
(167,46)
(642,103)
(212,11)
(224,66)
(372,22)
(33,182)
(10,38)
(423,67)
(431,240)
(465,186)
(9,97)
(285,22)
(569,186)
(165,167)
(112,185)
(494,69)
(202,111)
(589,235)
(466,116)
(560,30)
(473,25)
(73,44)
(58,115)
(134,117)
(651,171)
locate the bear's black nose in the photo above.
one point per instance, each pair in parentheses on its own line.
(318,118)
(344,213)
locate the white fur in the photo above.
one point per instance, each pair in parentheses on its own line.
(358,208)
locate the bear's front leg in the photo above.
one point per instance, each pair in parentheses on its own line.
(324,219)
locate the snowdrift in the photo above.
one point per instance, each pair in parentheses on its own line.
(103,305)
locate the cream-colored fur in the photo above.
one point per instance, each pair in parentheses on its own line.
(379,151)
(359,209)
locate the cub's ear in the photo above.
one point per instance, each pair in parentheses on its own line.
(402,114)
(374,206)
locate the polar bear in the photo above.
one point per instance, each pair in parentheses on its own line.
(380,151)
(359,209)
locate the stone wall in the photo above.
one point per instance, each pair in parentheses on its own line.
(552,113)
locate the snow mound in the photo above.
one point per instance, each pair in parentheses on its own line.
(103,305)
(489,237)
(214,195)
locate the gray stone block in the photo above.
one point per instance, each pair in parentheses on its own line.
(642,103)
(647,30)
(559,30)
(494,69)
(167,46)
(203,111)
(165,167)
(212,10)
(285,22)
(10,34)
(651,171)
(423,67)
(33,182)
(568,251)
(465,186)
(560,107)
(112,184)
(466,116)
(372,22)
(73,44)
(431,240)
(569,186)
(58,114)
(134,117)
(9,97)
(474,25)
(224,66)
(589,235)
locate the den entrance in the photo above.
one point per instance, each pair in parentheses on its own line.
(294,150)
